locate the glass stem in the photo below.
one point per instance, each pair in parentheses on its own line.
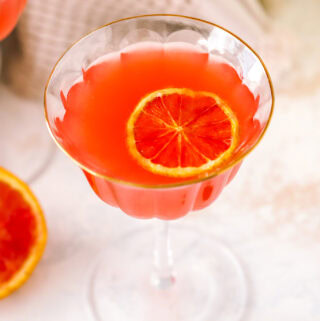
(162,276)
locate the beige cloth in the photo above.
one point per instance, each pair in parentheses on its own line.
(48,27)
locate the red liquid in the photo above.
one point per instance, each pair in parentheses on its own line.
(93,129)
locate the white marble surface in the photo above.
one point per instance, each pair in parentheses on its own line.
(269,215)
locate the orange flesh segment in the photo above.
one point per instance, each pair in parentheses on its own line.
(23,232)
(179,132)
(17,231)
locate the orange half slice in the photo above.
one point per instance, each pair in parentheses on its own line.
(23,232)
(179,132)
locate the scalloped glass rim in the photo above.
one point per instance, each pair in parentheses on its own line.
(172,185)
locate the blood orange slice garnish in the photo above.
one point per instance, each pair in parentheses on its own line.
(23,232)
(179,132)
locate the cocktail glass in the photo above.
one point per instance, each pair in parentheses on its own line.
(206,281)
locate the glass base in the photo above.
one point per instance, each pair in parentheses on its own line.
(209,281)
(26,147)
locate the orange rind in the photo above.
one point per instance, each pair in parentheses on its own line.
(179,132)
